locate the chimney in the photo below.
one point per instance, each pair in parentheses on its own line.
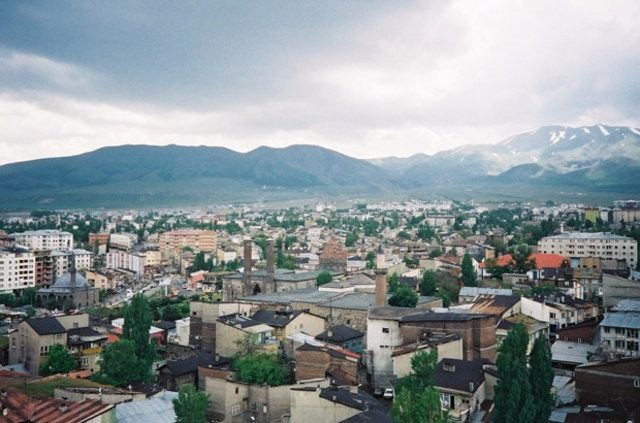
(271,265)
(381,287)
(471,386)
(247,260)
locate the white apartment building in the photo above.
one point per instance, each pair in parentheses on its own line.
(583,244)
(122,241)
(17,269)
(45,239)
(62,261)
(130,261)
(621,332)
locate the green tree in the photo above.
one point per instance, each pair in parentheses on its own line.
(428,285)
(323,278)
(351,239)
(513,398)
(119,365)
(468,273)
(541,378)
(393,282)
(171,313)
(521,261)
(404,235)
(494,269)
(191,405)
(137,321)
(260,369)
(416,400)
(404,297)
(446,297)
(31,312)
(59,360)
(435,253)
(426,233)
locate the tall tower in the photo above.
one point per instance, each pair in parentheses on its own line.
(247,261)
(381,287)
(271,267)
(380,258)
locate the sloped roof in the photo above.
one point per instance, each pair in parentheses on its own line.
(458,374)
(276,318)
(340,333)
(64,282)
(46,325)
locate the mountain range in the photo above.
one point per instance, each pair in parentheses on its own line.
(553,161)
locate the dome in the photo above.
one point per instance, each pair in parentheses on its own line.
(64,281)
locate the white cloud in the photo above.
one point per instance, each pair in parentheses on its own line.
(429,77)
(62,74)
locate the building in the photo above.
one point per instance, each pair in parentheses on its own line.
(72,287)
(626,214)
(287,321)
(62,261)
(103,279)
(464,386)
(99,239)
(86,344)
(334,256)
(31,342)
(614,384)
(134,262)
(122,241)
(17,269)
(335,404)
(44,268)
(233,332)
(175,373)
(319,362)
(621,332)
(583,244)
(343,336)
(174,242)
(45,239)
(19,407)
(203,318)
(616,289)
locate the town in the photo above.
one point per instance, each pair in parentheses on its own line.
(354,311)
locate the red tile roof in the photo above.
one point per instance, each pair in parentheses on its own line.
(543,261)
(20,408)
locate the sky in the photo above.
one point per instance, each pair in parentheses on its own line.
(366,78)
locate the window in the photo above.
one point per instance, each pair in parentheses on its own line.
(636,382)
(385,330)
(607,329)
(236,410)
(237,389)
(619,344)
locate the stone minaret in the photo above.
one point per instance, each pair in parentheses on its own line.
(247,259)
(72,271)
(271,266)
(380,258)
(381,287)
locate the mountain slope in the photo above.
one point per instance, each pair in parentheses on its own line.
(151,175)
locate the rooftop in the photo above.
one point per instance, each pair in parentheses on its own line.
(571,352)
(340,333)
(278,318)
(628,320)
(459,375)
(627,306)
(157,409)
(588,235)
(46,325)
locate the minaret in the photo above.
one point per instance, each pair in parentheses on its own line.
(381,287)
(246,275)
(271,266)
(72,271)
(380,258)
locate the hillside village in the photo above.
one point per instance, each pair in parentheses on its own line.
(320,313)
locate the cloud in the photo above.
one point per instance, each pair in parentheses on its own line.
(423,77)
(64,75)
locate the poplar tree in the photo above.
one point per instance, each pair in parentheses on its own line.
(541,378)
(468,273)
(137,321)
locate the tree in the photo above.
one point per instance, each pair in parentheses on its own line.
(31,312)
(521,262)
(393,282)
(323,278)
(428,285)
(446,297)
(468,273)
(171,313)
(351,239)
(404,297)
(404,235)
(260,369)
(59,360)
(137,321)
(494,269)
(191,405)
(541,378)
(416,400)
(119,365)
(426,233)
(513,398)
(435,253)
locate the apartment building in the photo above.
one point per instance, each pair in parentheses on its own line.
(45,239)
(17,269)
(61,261)
(122,241)
(620,329)
(583,244)
(129,261)
(174,242)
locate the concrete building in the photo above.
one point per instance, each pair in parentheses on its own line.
(336,404)
(31,342)
(616,289)
(620,330)
(134,262)
(583,244)
(233,331)
(287,321)
(62,260)
(174,242)
(122,241)
(203,318)
(45,239)
(17,269)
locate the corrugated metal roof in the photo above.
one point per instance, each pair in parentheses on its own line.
(622,320)
(157,409)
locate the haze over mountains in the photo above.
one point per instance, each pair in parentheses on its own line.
(598,160)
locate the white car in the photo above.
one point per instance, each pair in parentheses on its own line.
(388,393)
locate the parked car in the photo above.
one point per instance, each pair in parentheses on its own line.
(378,392)
(388,393)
